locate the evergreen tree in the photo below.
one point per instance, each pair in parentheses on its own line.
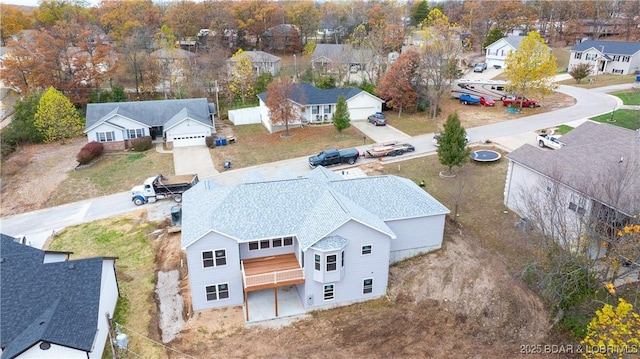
(420,13)
(341,119)
(494,35)
(118,94)
(56,118)
(22,128)
(263,81)
(453,150)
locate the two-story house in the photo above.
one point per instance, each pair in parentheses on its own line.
(261,62)
(616,57)
(591,182)
(330,238)
(497,52)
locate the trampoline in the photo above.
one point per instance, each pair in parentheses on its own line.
(485,156)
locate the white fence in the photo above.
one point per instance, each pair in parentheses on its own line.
(245,116)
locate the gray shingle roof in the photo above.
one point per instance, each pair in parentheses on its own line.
(150,113)
(308,94)
(331,243)
(514,40)
(342,53)
(610,47)
(590,163)
(46,302)
(308,208)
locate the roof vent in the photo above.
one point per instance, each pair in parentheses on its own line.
(45,346)
(72,266)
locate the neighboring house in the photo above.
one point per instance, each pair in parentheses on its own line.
(318,105)
(53,307)
(616,57)
(334,57)
(174,64)
(331,238)
(282,38)
(595,174)
(180,122)
(261,62)
(497,52)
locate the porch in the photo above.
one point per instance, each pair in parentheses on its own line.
(274,272)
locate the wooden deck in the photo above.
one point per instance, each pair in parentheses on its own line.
(271,272)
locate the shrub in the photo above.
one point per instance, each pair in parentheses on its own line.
(89,152)
(141,143)
(210,141)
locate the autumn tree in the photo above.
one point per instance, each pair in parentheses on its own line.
(439,58)
(124,18)
(12,21)
(398,86)
(186,18)
(341,118)
(452,149)
(282,109)
(580,71)
(255,17)
(476,18)
(613,332)
(530,69)
(304,15)
(57,118)
(241,78)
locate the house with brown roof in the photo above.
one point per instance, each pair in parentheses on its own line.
(592,179)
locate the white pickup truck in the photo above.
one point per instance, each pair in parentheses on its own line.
(548,140)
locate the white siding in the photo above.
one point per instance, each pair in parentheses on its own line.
(363,105)
(357,268)
(200,277)
(245,116)
(245,253)
(188,133)
(55,257)
(497,53)
(416,236)
(108,299)
(105,127)
(54,352)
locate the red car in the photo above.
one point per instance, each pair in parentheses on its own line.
(515,101)
(487,101)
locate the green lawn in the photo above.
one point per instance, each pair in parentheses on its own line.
(563,129)
(624,118)
(629,97)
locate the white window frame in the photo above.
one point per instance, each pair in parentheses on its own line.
(317,260)
(216,292)
(334,262)
(328,292)
(591,57)
(104,136)
(626,59)
(367,288)
(366,252)
(578,55)
(214,258)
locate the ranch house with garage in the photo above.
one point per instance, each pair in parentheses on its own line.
(317,105)
(179,123)
(317,241)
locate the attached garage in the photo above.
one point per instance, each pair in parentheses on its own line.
(185,141)
(187,132)
(363,105)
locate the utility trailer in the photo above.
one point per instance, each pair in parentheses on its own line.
(389,149)
(160,187)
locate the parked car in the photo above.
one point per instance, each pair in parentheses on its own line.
(487,101)
(377,119)
(515,101)
(480,66)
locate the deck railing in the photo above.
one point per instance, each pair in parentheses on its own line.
(271,277)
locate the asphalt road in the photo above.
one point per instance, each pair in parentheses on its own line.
(38,225)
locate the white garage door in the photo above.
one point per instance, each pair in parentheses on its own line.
(361,113)
(191,140)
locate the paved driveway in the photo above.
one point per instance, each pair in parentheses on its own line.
(193,159)
(379,134)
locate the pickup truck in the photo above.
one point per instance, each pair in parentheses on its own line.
(467,99)
(160,187)
(334,157)
(514,101)
(547,140)
(389,149)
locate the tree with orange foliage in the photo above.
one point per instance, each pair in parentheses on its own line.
(399,85)
(282,110)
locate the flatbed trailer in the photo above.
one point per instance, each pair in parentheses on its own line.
(389,149)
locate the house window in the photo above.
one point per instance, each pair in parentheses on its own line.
(288,241)
(366,249)
(577,204)
(217,291)
(578,55)
(327,109)
(221,257)
(549,186)
(315,110)
(590,57)
(264,244)
(253,246)
(331,262)
(367,286)
(214,258)
(317,260)
(277,242)
(106,136)
(616,57)
(136,133)
(329,293)
(342,259)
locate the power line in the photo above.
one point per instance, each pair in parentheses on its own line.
(155,342)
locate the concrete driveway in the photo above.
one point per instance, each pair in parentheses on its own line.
(193,159)
(379,134)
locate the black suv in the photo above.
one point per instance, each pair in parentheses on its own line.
(377,119)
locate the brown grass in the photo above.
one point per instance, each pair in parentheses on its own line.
(601,81)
